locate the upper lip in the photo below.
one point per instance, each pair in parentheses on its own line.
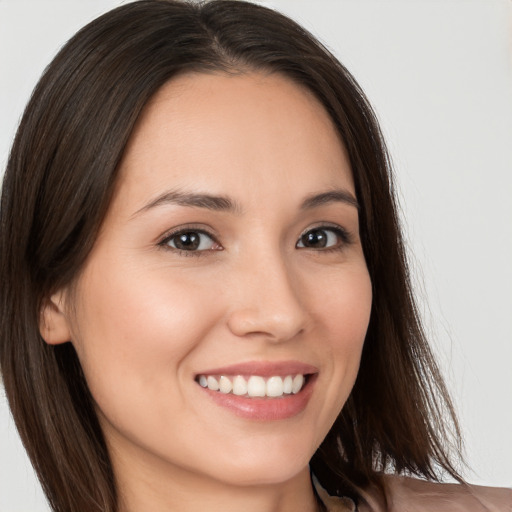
(263,369)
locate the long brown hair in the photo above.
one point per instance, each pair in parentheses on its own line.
(56,191)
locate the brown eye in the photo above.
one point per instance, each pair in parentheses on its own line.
(322,238)
(191,241)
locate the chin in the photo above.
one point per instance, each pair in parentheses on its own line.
(262,475)
(263,466)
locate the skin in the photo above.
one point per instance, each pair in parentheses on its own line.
(145,318)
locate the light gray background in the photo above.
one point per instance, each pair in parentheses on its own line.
(439,73)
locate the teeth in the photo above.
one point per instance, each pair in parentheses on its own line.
(225,385)
(287,384)
(275,386)
(212,383)
(239,386)
(298,382)
(254,386)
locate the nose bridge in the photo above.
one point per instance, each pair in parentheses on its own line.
(267,299)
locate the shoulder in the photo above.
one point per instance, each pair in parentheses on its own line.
(414,495)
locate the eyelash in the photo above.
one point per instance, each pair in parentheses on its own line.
(164,243)
(344,237)
(342,234)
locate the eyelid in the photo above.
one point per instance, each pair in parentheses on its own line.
(164,239)
(341,232)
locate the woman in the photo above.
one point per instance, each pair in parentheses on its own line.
(205,291)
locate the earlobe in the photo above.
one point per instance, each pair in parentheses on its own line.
(53,322)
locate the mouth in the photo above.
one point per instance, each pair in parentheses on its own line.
(259,390)
(254,386)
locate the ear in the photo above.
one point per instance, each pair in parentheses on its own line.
(53,322)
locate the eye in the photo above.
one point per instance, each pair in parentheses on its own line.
(191,240)
(323,238)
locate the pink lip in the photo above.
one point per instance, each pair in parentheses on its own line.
(264,409)
(263,369)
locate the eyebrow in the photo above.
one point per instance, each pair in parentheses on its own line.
(226,204)
(193,200)
(332,196)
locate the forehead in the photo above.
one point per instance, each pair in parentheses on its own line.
(228,133)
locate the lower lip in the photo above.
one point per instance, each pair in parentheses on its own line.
(265,409)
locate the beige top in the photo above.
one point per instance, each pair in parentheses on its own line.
(413,495)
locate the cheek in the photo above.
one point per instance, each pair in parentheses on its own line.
(345,307)
(345,312)
(134,329)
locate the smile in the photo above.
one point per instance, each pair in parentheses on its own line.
(254,386)
(260,390)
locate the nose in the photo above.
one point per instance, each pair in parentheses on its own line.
(266,301)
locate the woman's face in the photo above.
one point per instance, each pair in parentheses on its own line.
(230,257)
